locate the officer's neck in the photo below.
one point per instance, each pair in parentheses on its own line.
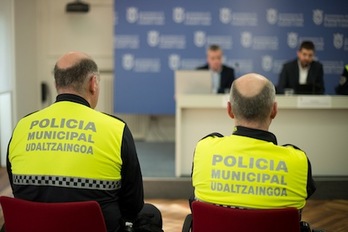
(72,91)
(253,125)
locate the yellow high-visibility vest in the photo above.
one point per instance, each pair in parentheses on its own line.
(246,172)
(67,139)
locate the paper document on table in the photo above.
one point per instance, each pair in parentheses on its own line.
(314,102)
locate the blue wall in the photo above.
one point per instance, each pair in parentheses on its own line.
(155,37)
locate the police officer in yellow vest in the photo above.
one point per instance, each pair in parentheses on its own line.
(248,169)
(71,152)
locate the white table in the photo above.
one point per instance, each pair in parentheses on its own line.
(316,124)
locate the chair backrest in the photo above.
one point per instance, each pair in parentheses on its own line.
(208,217)
(22,215)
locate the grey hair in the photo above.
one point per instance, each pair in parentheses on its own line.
(75,76)
(255,108)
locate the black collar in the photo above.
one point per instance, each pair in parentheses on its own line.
(255,133)
(72,98)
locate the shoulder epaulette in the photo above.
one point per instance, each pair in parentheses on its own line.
(291,145)
(114,116)
(31,113)
(214,134)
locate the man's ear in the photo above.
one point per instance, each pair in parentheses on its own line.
(274,110)
(93,84)
(229,110)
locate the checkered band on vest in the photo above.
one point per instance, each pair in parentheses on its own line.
(68,182)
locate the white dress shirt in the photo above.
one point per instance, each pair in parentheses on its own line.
(303,74)
(215,79)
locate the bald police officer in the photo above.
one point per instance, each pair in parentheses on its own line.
(248,169)
(71,152)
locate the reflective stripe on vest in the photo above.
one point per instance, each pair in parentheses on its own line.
(67,182)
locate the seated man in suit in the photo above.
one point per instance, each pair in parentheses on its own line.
(342,87)
(222,76)
(303,75)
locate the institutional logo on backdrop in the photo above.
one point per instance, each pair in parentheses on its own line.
(135,16)
(267,63)
(338,40)
(178,14)
(225,15)
(318,16)
(132,14)
(192,18)
(200,38)
(174,61)
(126,41)
(333,67)
(239,19)
(292,39)
(128,61)
(284,19)
(246,39)
(162,41)
(272,16)
(153,38)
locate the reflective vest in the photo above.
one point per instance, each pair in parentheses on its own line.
(70,145)
(246,172)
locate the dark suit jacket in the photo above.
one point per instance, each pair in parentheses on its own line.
(289,77)
(342,87)
(226,77)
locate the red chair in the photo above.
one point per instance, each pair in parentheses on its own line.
(209,218)
(22,215)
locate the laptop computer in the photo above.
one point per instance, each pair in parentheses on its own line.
(193,82)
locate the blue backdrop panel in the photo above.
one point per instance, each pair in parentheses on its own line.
(153,38)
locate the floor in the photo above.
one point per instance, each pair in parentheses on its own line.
(173,213)
(156,158)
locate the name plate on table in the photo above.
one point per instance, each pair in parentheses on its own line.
(314,102)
